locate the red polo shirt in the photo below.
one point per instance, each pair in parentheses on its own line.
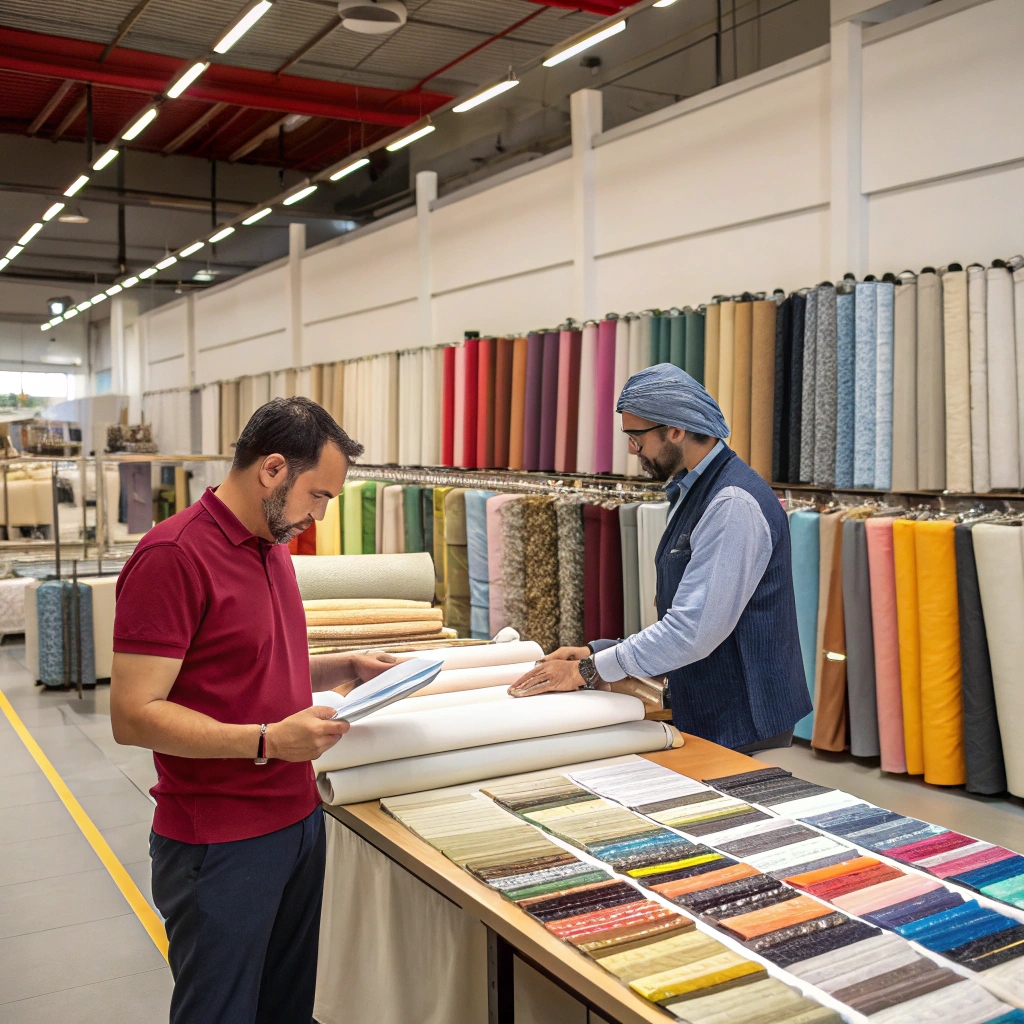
(201,588)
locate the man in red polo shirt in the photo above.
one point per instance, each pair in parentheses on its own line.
(211,671)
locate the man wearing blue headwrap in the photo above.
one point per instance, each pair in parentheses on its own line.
(727,632)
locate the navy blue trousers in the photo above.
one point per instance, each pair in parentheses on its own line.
(243,924)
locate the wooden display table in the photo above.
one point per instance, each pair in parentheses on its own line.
(512,933)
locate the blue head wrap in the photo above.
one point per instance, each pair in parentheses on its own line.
(665,394)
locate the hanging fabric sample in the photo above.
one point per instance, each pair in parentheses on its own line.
(727,359)
(908,622)
(978,357)
(743,328)
(502,400)
(540,560)
(532,410)
(392,541)
(485,403)
(412,517)
(885,298)
(807,405)
(831,726)
(410,409)
(782,399)
(440,577)
(513,563)
(651,518)
(571,578)
(548,403)
(957,372)
(860,646)
(904,384)
(931,398)
(865,347)
(604,396)
(620,442)
(630,568)
(495,558)
(796,362)
(694,344)
(762,386)
(845,383)
(712,347)
(804,541)
(1003,410)
(352,515)
(478,563)
(567,417)
(585,462)
(517,414)
(826,372)
(456,562)
(448,402)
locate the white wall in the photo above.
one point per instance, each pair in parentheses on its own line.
(165,341)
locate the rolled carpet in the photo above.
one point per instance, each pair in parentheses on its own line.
(408,576)
(485,677)
(350,603)
(369,631)
(371,616)
(483,655)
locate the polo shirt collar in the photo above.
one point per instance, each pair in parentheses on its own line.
(226,519)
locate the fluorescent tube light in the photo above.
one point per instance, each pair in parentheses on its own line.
(585,44)
(403,142)
(46,326)
(108,158)
(259,215)
(77,184)
(487,94)
(194,247)
(53,211)
(308,190)
(83,306)
(13,251)
(348,169)
(664,3)
(70,313)
(56,320)
(221,235)
(4,262)
(31,233)
(169,262)
(243,23)
(136,128)
(147,273)
(97,299)
(114,289)
(129,282)
(187,78)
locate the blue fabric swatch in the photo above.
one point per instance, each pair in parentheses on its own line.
(476,552)
(865,343)
(805,546)
(998,872)
(845,378)
(885,301)
(930,903)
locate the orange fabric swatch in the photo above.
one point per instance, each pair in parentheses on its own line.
(772,919)
(710,878)
(834,871)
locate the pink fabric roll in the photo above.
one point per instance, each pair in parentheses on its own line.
(494,553)
(886,894)
(888,691)
(588,384)
(604,397)
(460,406)
(567,417)
(992,855)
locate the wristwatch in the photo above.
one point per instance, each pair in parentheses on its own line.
(261,750)
(589,672)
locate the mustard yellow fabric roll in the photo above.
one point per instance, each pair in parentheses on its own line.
(905,554)
(942,708)
(328,530)
(352,499)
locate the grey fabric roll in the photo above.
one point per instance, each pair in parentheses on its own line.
(956,353)
(983,745)
(931,391)
(865,343)
(845,378)
(630,568)
(860,645)
(1003,411)
(807,420)
(977,334)
(569,514)
(825,387)
(884,300)
(513,563)
(904,385)
(796,342)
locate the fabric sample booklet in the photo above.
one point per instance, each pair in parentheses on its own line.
(394,684)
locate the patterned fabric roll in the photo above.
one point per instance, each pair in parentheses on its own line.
(541,566)
(495,560)
(825,386)
(569,513)
(781,400)
(956,353)
(865,343)
(981,477)
(796,342)
(807,408)
(885,299)
(904,385)
(513,564)
(845,384)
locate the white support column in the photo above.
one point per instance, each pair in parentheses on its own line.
(296,247)
(849,206)
(426,193)
(190,341)
(586,113)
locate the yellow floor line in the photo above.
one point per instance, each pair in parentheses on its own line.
(143,911)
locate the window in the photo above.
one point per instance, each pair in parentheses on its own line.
(38,386)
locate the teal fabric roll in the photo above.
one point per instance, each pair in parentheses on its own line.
(412,500)
(677,339)
(664,340)
(845,359)
(803,531)
(695,345)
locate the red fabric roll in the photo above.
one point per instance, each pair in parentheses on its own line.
(610,579)
(592,593)
(567,416)
(472,403)
(448,408)
(502,400)
(485,404)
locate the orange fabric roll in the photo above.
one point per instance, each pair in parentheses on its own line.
(517,412)
(762,387)
(739,441)
(905,555)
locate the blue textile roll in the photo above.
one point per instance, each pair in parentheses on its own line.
(865,342)
(845,355)
(807,410)
(476,551)
(885,302)
(825,385)
(803,533)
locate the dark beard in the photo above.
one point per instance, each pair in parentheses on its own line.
(273,511)
(665,467)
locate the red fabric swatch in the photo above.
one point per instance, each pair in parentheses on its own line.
(472,403)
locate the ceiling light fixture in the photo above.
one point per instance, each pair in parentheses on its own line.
(31,233)
(372,17)
(349,168)
(165,263)
(186,78)
(74,216)
(83,306)
(221,235)
(245,21)
(147,273)
(97,299)
(138,126)
(487,94)
(108,158)
(114,289)
(585,44)
(259,215)
(194,247)
(53,211)
(13,251)
(77,185)
(664,3)
(129,282)
(70,313)
(308,190)
(4,262)
(46,326)
(410,138)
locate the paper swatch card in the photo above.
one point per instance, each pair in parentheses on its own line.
(394,684)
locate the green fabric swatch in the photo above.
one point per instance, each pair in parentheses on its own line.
(370,517)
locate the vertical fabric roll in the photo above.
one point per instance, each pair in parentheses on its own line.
(440,581)
(864,408)
(727,360)
(831,718)
(513,563)
(826,379)
(328,529)
(636,364)
(611,573)
(604,396)
(885,298)
(369,517)
(379,513)
(427,507)
(412,517)
(956,353)
(695,345)
(805,544)
(541,566)
(845,384)
(459,424)
(807,404)
(517,415)
(548,403)
(1003,410)
(391,371)
(571,577)
(592,571)
(486,367)
(712,348)
(942,706)
(660,325)
(981,479)
(983,745)
(531,413)
(352,512)
(796,343)
(620,442)
(860,644)
(327,387)
(888,694)
(478,564)
(471,406)
(908,622)
(229,416)
(648,338)
(931,394)
(410,412)
(677,339)
(904,385)
(495,561)
(829,525)
(567,413)
(393,533)
(210,406)
(588,381)
(502,400)
(1000,565)
(456,562)
(743,329)
(448,404)
(650,525)
(782,382)
(1018,320)
(762,386)
(630,569)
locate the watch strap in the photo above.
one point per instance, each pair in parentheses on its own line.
(261,750)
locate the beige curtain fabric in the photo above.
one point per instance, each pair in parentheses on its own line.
(904,386)
(931,398)
(956,351)
(977,334)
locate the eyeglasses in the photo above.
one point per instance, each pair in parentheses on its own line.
(636,445)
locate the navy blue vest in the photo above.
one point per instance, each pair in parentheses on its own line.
(752,685)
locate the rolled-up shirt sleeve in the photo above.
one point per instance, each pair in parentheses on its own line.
(731,547)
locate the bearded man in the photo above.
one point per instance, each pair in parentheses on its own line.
(726,634)
(212,673)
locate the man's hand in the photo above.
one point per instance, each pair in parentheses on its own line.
(568,654)
(364,667)
(304,736)
(549,677)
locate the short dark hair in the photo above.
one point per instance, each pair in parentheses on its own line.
(295,428)
(699,438)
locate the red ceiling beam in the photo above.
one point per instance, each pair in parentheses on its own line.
(134,70)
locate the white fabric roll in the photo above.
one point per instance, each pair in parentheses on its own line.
(588,382)
(475,764)
(410,411)
(486,677)
(393,529)
(651,518)
(324,577)
(430,406)
(1000,560)
(957,374)
(620,444)
(433,701)
(727,361)
(516,652)
(978,343)
(476,725)
(1003,414)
